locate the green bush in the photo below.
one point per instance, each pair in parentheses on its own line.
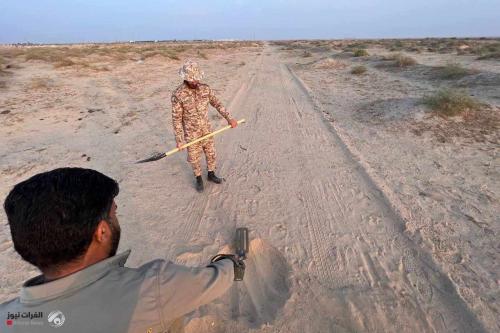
(360,53)
(449,103)
(452,71)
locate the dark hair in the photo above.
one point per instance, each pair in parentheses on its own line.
(53,215)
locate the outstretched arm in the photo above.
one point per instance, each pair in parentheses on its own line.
(183,289)
(216,103)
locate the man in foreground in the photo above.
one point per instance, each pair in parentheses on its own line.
(190,120)
(64,223)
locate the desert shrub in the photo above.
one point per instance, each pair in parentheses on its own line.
(64,63)
(360,53)
(492,55)
(306,54)
(387,57)
(400,60)
(405,61)
(452,71)
(58,55)
(202,55)
(40,83)
(449,103)
(486,49)
(398,44)
(173,56)
(42,54)
(329,63)
(358,70)
(4,66)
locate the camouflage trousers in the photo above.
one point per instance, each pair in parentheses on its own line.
(194,155)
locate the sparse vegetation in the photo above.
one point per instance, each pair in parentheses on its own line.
(89,55)
(405,61)
(400,60)
(64,63)
(330,63)
(306,54)
(487,51)
(452,71)
(493,55)
(449,103)
(360,53)
(202,55)
(358,70)
(40,83)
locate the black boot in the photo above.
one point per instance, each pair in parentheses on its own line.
(213,178)
(199,184)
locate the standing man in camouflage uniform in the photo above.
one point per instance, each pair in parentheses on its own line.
(190,119)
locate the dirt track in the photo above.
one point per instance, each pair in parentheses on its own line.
(294,184)
(329,251)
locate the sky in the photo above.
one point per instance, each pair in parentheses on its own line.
(71,21)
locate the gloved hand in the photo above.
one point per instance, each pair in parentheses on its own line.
(238,264)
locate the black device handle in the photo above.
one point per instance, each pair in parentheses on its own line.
(241,242)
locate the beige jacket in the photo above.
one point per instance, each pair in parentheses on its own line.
(109,297)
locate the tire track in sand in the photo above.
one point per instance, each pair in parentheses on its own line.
(297,187)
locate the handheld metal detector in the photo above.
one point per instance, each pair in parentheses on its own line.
(241,242)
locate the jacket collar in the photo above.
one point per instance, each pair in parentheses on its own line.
(31,293)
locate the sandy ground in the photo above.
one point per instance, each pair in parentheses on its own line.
(354,226)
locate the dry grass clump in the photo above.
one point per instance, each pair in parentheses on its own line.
(72,56)
(3,84)
(358,70)
(400,60)
(57,54)
(132,52)
(488,56)
(360,53)
(4,72)
(39,83)
(11,52)
(202,55)
(449,103)
(404,61)
(64,63)
(330,63)
(452,71)
(91,56)
(487,51)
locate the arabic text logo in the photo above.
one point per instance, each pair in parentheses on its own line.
(56,318)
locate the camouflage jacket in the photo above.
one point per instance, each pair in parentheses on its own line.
(190,111)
